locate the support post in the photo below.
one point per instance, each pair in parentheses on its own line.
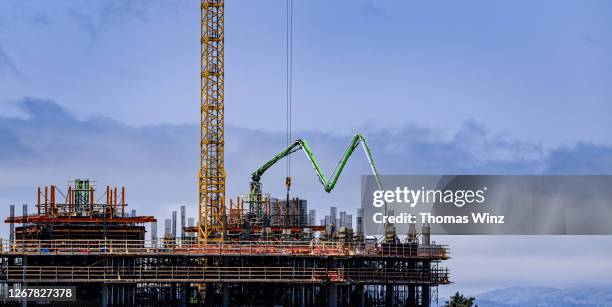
(226,301)
(184,294)
(104,299)
(332,295)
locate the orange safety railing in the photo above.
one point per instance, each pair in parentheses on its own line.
(187,247)
(220,274)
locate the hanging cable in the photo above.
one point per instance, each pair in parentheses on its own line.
(290,75)
(289,85)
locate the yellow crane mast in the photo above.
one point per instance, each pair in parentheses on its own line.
(211,186)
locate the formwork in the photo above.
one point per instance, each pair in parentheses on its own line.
(104,254)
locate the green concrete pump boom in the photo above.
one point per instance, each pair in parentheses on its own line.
(328,183)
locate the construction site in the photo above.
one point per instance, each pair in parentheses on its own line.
(250,250)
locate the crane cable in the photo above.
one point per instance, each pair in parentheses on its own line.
(289,85)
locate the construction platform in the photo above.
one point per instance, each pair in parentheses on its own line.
(101,249)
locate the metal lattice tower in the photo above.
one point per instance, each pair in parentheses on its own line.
(211,222)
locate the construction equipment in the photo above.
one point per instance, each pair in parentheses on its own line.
(211,184)
(328,183)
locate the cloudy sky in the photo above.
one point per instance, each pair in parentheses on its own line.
(109,90)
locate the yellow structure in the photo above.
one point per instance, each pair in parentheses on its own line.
(211,219)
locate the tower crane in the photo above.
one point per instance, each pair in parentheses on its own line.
(211,183)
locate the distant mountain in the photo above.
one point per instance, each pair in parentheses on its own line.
(547,297)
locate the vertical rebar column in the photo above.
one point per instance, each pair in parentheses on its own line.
(332,214)
(25,214)
(190,224)
(360,221)
(12,217)
(154,233)
(426,235)
(173,224)
(167,228)
(348,221)
(312,217)
(183,217)
(133,213)
(303,204)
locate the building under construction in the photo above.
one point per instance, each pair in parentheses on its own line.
(254,250)
(282,259)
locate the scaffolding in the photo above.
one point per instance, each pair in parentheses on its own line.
(272,254)
(224,273)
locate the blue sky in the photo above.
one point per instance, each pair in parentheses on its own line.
(507,65)
(109,90)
